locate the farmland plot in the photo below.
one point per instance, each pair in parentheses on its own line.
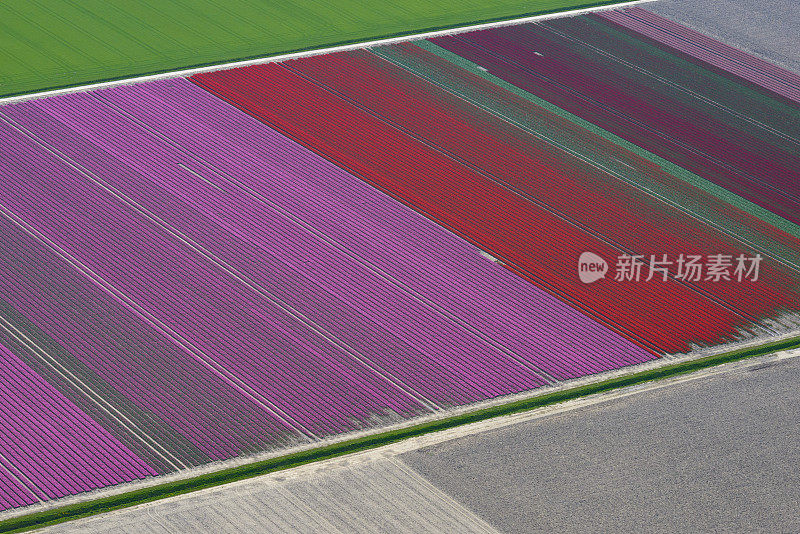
(157,232)
(246,261)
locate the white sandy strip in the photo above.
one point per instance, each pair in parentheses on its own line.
(368,491)
(295,55)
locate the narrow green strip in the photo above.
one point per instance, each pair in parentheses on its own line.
(673,169)
(84,509)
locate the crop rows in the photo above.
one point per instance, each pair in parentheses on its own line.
(639,170)
(246,293)
(50,448)
(454,189)
(201,269)
(695,44)
(759,163)
(526,165)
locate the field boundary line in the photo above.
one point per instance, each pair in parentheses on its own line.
(336,47)
(661,369)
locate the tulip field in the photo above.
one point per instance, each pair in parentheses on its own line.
(243,261)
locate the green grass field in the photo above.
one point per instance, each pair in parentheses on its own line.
(49,44)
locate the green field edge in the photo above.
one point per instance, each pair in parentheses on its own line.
(224,476)
(267,55)
(689,177)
